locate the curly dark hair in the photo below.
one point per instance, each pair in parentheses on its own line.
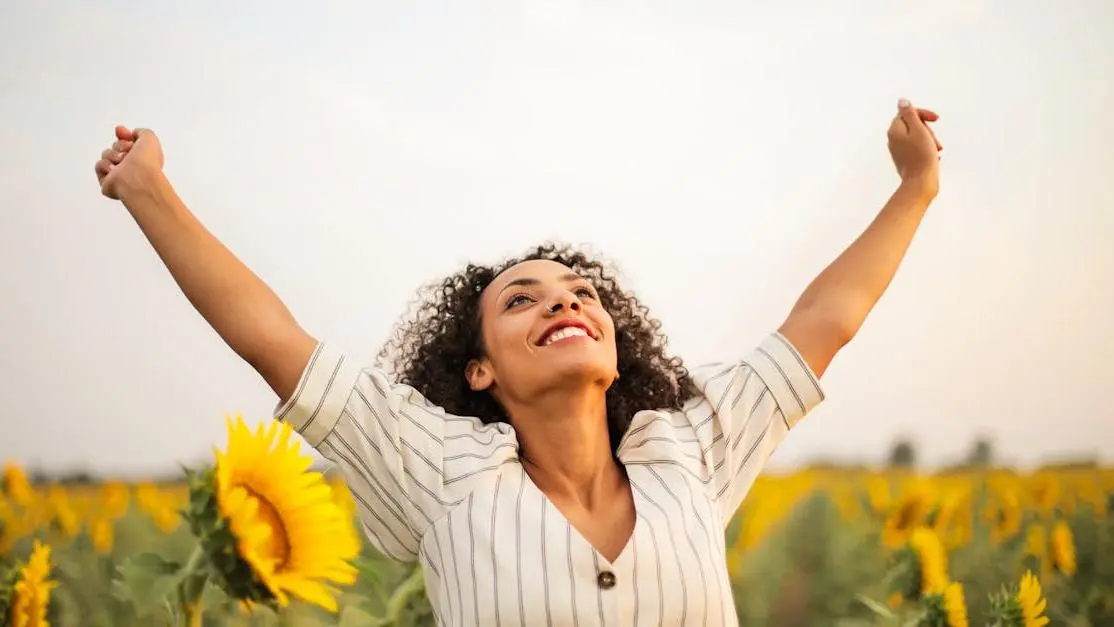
(434,342)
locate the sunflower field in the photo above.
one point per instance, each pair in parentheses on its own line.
(231,545)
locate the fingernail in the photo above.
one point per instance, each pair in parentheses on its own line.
(903,104)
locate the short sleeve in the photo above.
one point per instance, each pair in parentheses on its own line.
(744,411)
(389,442)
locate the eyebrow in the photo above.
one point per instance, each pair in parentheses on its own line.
(527,281)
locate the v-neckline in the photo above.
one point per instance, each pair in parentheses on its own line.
(628,546)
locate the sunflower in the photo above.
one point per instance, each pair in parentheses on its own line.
(114,499)
(343,496)
(269,526)
(102,531)
(1044,492)
(907,515)
(948,608)
(16,486)
(950,517)
(878,495)
(1036,553)
(9,528)
(15,524)
(955,606)
(932,560)
(161,507)
(1035,543)
(25,591)
(1004,515)
(1063,548)
(1090,494)
(1020,607)
(62,512)
(1031,602)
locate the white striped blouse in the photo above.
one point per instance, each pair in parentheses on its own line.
(450,492)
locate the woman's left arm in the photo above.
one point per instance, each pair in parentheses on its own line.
(832,309)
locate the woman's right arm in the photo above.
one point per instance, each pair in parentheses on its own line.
(239,306)
(405,460)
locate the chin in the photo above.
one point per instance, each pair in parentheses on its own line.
(584,371)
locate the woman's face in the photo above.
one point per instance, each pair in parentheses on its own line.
(543,329)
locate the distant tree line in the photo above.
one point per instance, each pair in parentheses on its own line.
(902,456)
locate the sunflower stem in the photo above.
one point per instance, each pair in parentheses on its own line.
(193,615)
(192,587)
(402,594)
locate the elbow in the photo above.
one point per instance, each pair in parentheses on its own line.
(837,324)
(280,357)
(843,329)
(819,335)
(836,331)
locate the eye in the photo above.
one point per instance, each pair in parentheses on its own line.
(516,300)
(585,292)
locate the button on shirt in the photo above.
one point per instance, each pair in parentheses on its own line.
(606,579)
(450,492)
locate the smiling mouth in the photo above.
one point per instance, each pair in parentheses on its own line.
(566,333)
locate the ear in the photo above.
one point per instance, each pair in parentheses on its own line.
(479,374)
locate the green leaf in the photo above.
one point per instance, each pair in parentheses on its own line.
(147,581)
(875,606)
(8,578)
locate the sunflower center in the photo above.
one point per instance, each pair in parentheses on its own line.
(277,545)
(906,515)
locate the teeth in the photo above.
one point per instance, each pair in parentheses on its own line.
(565,332)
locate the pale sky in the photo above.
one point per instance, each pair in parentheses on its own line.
(722,152)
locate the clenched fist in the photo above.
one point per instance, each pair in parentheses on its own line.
(914,147)
(135,154)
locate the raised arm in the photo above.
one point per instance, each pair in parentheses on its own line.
(832,309)
(404,459)
(239,306)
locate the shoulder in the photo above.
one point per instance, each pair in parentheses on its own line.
(663,437)
(774,366)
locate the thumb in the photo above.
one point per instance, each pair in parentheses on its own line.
(909,114)
(147,134)
(124,134)
(147,142)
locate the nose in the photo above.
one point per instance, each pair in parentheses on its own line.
(564,300)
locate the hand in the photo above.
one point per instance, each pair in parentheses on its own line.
(914,147)
(136,153)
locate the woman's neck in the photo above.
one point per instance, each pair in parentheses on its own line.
(565,446)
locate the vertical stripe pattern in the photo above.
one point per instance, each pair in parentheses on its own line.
(449,492)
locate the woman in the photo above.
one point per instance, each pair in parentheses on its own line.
(538,451)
